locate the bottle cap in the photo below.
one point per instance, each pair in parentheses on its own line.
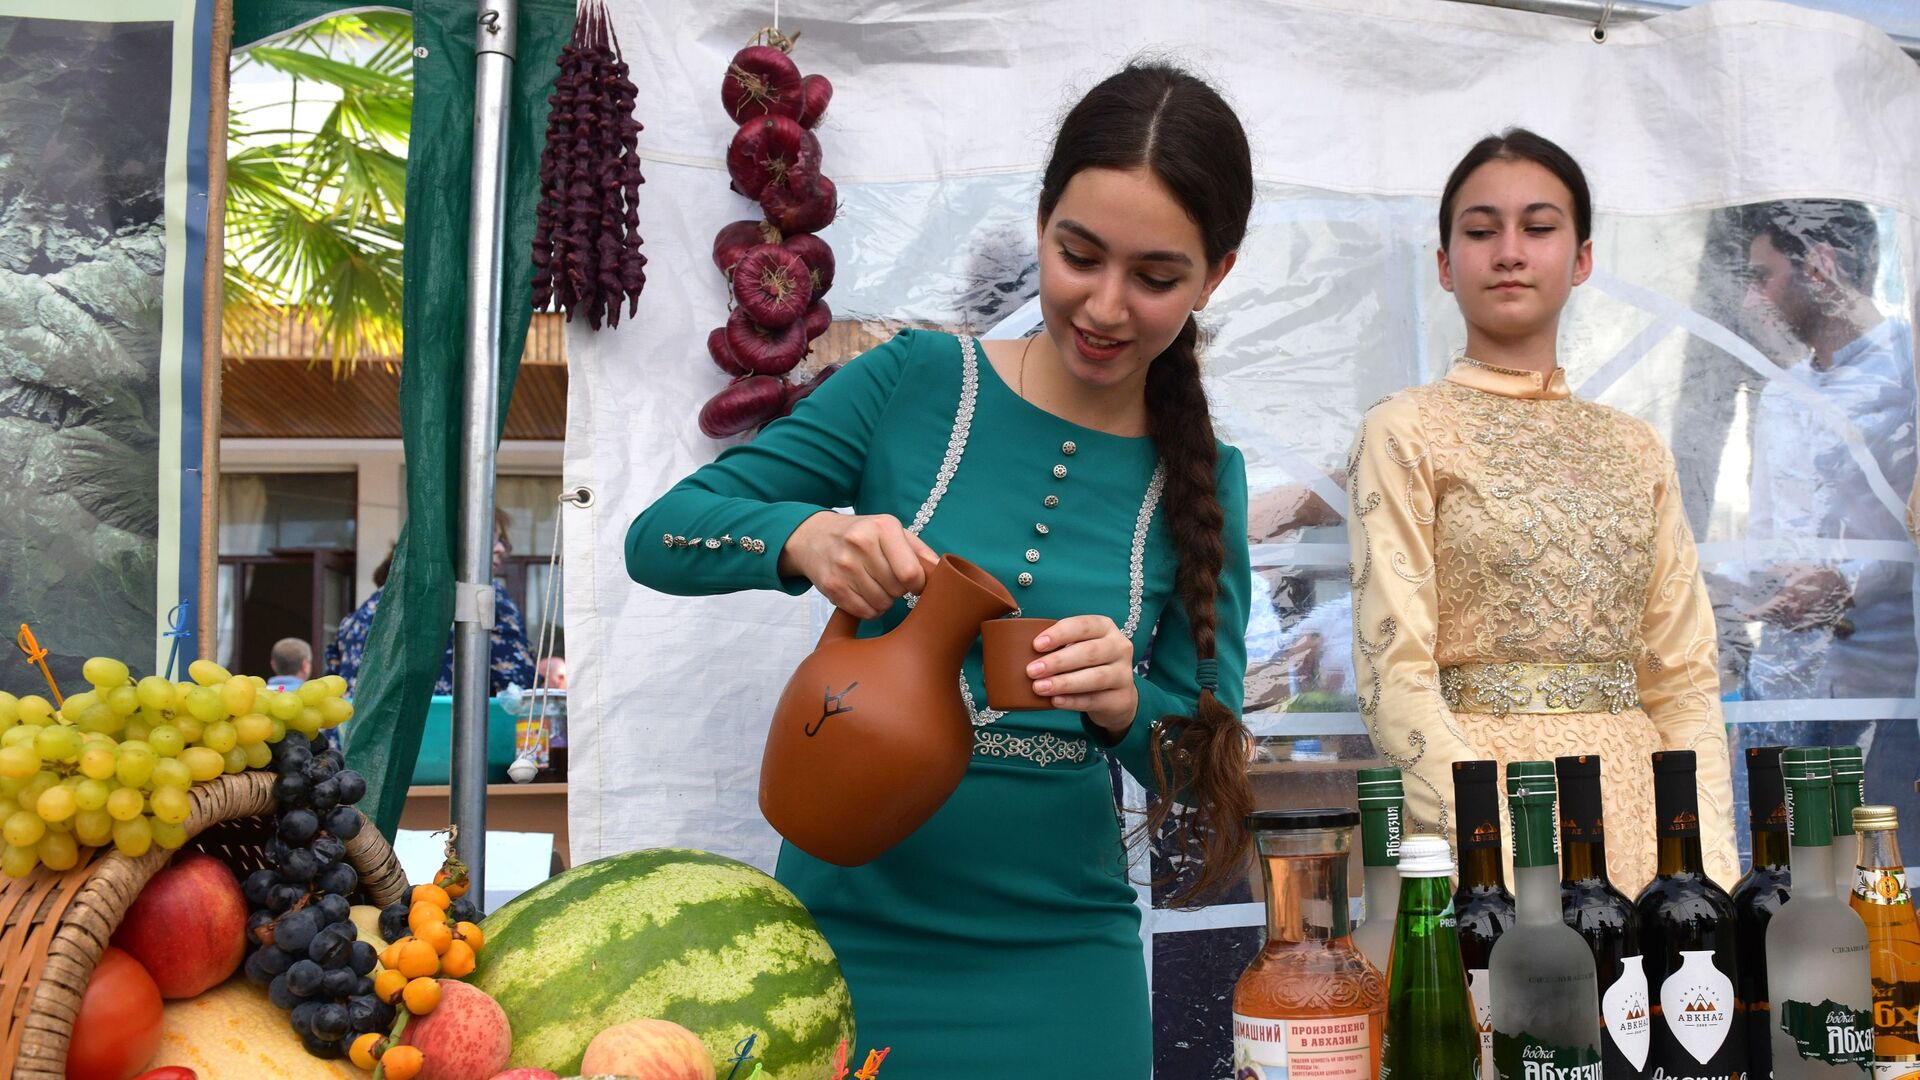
(1766,792)
(1673,761)
(1581,821)
(1848,761)
(1380,785)
(1806,763)
(1676,801)
(1537,777)
(1476,798)
(1870,818)
(1582,765)
(1425,856)
(1809,775)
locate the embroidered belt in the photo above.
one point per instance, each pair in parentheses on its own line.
(1501,689)
(1043,749)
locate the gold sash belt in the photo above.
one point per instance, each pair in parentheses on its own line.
(1500,689)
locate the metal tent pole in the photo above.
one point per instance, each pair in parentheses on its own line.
(494,47)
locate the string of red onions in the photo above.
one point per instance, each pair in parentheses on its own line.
(777,269)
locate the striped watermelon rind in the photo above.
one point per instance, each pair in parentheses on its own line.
(705,941)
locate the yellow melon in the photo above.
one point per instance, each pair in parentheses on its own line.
(232,1030)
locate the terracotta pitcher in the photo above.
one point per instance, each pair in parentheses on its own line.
(871,735)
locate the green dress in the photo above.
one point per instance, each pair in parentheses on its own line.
(1001,939)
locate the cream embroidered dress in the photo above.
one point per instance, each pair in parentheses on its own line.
(1525,586)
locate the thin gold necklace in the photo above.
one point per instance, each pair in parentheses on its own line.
(1482,364)
(1023,365)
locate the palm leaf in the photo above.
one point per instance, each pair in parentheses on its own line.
(315,219)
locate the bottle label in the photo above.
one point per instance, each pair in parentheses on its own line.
(1323,1048)
(1624,1010)
(1480,986)
(1697,1002)
(1380,833)
(1829,1031)
(1904,1068)
(1523,1057)
(1881,885)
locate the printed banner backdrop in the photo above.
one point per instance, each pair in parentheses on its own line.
(103,210)
(1714,139)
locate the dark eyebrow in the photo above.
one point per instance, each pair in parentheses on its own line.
(1531,207)
(1084,233)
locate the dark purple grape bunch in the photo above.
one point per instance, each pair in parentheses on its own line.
(776,268)
(586,240)
(308,953)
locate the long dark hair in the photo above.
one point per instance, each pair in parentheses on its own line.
(1519,144)
(1155,116)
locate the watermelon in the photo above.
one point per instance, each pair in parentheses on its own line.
(705,941)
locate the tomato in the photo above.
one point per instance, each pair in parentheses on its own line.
(118,1028)
(169,1072)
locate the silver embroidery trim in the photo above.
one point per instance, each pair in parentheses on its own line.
(1137,563)
(1043,749)
(956,439)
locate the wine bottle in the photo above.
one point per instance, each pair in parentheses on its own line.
(1546,1013)
(1481,904)
(1758,895)
(1603,916)
(1687,938)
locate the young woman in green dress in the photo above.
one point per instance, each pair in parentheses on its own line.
(1080,468)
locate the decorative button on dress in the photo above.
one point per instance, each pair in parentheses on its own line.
(1001,939)
(1525,586)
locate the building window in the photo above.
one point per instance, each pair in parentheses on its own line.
(286,563)
(531,504)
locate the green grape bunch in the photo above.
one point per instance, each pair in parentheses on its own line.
(116,763)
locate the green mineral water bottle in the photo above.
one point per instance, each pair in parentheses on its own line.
(1431,1033)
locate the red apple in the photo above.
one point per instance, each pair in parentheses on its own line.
(465,1037)
(188,927)
(527,1074)
(648,1050)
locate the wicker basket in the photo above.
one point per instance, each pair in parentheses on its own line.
(53,926)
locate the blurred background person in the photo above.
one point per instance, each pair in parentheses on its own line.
(292,661)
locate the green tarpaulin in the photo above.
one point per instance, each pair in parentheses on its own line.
(409,636)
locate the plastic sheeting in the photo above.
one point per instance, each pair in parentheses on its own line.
(1357,110)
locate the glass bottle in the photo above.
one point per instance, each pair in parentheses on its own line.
(1546,1012)
(1687,938)
(1382,811)
(1431,1032)
(1849,791)
(1482,903)
(1822,1018)
(1309,1004)
(1881,899)
(1604,917)
(1758,895)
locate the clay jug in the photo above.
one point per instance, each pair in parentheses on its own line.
(871,735)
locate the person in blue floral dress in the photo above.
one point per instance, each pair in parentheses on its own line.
(512,659)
